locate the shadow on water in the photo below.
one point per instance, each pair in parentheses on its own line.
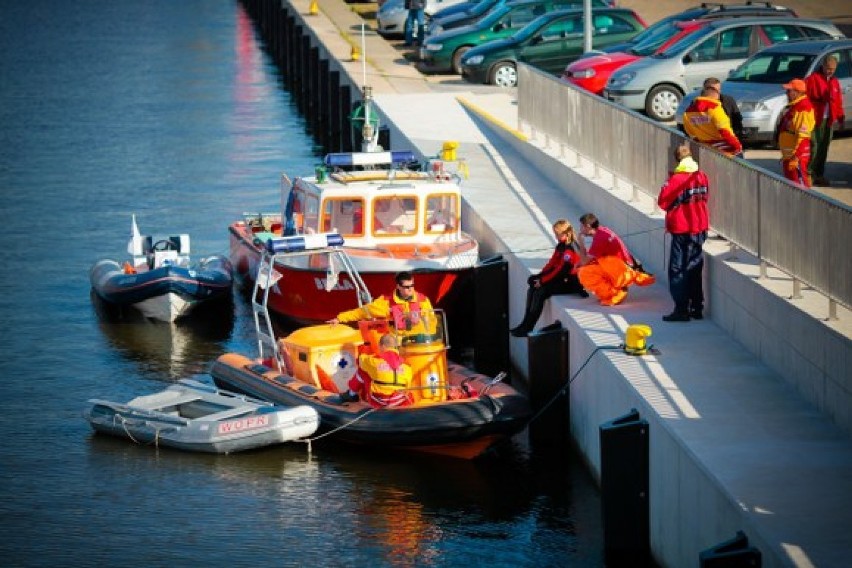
(167,351)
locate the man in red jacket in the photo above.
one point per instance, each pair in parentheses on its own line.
(684,199)
(826,96)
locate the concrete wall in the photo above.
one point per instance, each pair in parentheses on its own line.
(812,354)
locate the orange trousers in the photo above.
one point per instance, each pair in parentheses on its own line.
(608,278)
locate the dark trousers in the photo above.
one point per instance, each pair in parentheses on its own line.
(686,262)
(820,141)
(536,297)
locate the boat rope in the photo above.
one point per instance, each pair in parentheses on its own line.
(561,391)
(125,422)
(308,441)
(124,427)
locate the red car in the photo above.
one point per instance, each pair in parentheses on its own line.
(591,73)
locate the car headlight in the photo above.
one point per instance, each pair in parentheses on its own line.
(472,60)
(583,74)
(435,30)
(621,79)
(752,106)
(433,46)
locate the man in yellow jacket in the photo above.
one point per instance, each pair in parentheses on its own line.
(409,311)
(705,121)
(794,133)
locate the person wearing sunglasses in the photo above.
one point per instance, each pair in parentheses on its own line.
(406,309)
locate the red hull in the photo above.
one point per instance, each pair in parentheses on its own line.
(300,294)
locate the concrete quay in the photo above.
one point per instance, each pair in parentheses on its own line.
(732,445)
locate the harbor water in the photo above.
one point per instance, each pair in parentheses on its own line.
(171,111)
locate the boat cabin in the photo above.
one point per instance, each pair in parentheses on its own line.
(374,206)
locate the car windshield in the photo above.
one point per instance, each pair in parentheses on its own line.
(491,17)
(652,42)
(481,7)
(654,29)
(531,28)
(775,68)
(686,42)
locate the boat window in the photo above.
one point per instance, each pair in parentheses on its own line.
(395,215)
(441,213)
(297,197)
(344,216)
(311,213)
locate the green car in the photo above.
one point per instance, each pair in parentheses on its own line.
(548,43)
(443,52)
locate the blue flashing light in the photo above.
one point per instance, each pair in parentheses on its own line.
(369,158)
(277,245)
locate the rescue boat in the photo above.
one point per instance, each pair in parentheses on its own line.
(455,410)
(159,279)
(394,217)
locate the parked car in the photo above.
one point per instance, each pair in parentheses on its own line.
(656,84)
(662,30)
(592,72)
(391,15)
(548,43)
(443,52)
(441,23)
(756,85)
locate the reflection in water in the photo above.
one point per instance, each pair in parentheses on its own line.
(167,351)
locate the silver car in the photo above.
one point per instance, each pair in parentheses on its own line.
(756,85)
(656,84)
(390,19)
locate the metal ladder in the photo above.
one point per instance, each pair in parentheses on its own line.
(267,346)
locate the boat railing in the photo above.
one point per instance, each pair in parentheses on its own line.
(280,248)
(455,247)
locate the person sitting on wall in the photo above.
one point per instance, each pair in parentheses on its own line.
(558,276)
(388,378)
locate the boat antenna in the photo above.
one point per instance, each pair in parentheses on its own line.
(363,53)
(369,132)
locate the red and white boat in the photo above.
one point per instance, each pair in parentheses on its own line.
(392,218)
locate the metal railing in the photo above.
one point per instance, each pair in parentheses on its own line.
(802,233)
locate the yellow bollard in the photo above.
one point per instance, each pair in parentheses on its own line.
(448,151)
(313,8)
(355,54)
(634,339)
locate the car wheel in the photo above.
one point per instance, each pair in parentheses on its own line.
(662,102)
(504,74)
(457,57)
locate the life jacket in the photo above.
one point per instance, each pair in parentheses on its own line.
(389,376)
(404,319)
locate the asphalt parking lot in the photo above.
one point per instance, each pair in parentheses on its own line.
(839,165)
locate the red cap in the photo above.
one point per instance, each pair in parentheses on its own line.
(796,85)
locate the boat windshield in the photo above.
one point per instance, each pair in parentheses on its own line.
(442,213)
(425,327)
(343,215)
(395,215)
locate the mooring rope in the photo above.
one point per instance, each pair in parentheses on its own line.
(562,390)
